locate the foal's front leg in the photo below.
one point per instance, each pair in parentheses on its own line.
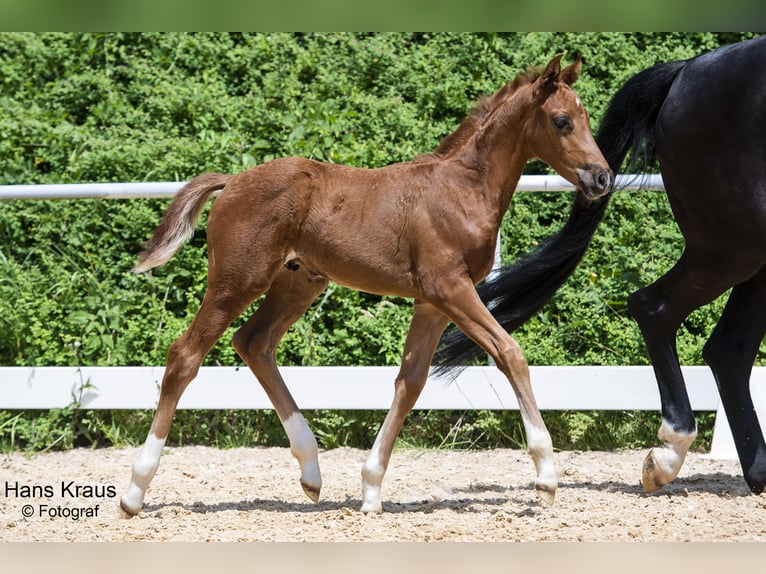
(460,301)
(425,330)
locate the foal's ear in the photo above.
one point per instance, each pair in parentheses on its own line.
(570,74)
(545,84)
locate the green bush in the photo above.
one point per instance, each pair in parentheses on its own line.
(89,107)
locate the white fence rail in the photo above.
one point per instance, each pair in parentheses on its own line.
(151,190)
(556,388)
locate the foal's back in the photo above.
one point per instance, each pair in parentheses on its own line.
(370,229)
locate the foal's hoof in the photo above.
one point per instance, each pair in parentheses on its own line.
(652,477)
(372,508)
(125,511)
(311,491)
(546,493)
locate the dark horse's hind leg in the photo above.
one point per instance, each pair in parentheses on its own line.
(659,310)
(730,352)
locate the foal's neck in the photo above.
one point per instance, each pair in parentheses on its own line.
(498,150)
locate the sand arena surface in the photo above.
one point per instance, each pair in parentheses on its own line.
(253,494)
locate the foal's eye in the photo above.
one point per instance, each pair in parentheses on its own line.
(562,122)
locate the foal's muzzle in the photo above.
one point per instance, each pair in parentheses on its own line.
(595,181)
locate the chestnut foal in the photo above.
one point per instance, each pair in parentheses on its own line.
(424,229)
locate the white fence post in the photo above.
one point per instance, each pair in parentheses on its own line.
(722,446)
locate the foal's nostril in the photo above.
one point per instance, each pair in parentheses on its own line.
(595,181)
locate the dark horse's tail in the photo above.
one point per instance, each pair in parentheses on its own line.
(517,292)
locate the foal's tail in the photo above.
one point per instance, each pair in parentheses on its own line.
(519,291)
(177,225)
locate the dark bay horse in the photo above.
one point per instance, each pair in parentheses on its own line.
(424,229)
(704,119)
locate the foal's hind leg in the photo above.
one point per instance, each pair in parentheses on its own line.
(730,352)
(184,359)
(289,296)
(425,330)
(659,310)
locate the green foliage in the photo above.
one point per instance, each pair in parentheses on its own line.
(93,107)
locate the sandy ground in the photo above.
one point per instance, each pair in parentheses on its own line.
(253,494)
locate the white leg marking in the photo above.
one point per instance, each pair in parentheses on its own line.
(372,478)
(303,446)
(143,470)
(541,449)
(663,464)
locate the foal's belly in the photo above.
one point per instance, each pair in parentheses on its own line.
(362,273)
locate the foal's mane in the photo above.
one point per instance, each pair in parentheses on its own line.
(486,106)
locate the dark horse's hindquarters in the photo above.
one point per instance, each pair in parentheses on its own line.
(704,119)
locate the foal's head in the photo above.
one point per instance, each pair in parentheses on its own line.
(558,131)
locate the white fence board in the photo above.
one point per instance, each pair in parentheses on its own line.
(370,388)
(556,388)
